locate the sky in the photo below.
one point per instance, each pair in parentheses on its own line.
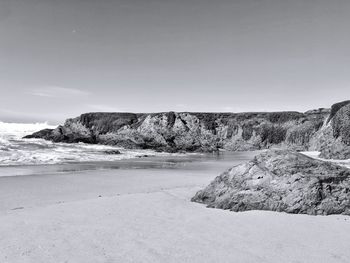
(61,58)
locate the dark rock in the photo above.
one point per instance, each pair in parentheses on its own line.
(112,152)
(284,181)
(273,134)
(282,117)
(143,156)
(302,134)
(247,131)
(171,119)
(43,134)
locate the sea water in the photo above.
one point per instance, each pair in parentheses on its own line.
(14,150)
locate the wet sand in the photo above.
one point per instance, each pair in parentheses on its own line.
(30,186)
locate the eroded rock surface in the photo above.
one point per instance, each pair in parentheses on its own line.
(184,131)
(281,180)
(337,139)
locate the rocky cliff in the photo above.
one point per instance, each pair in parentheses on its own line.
(185,131)
(335,136)
(281,180)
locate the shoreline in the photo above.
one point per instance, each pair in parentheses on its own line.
(106,215)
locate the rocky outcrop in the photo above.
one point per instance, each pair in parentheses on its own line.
(284,181)
(336,107)
(336,134)
(185,131)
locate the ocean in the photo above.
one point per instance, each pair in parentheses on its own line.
(20,157)
(16,151)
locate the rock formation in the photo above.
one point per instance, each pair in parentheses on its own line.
(322,130)
(281,180)
(184,131)
(336,133)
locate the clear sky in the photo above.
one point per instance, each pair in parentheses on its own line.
(60,58)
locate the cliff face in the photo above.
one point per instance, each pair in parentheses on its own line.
(281,180)
(336,136)
(172,131)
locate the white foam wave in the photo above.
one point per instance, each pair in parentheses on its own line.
(19,130)
(42,152)
(17,151)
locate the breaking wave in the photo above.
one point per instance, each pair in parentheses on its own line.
(14,150)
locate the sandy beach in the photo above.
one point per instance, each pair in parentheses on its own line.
(141,212)
(169,131)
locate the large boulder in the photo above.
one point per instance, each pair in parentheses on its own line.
(284,181)
(70,134)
